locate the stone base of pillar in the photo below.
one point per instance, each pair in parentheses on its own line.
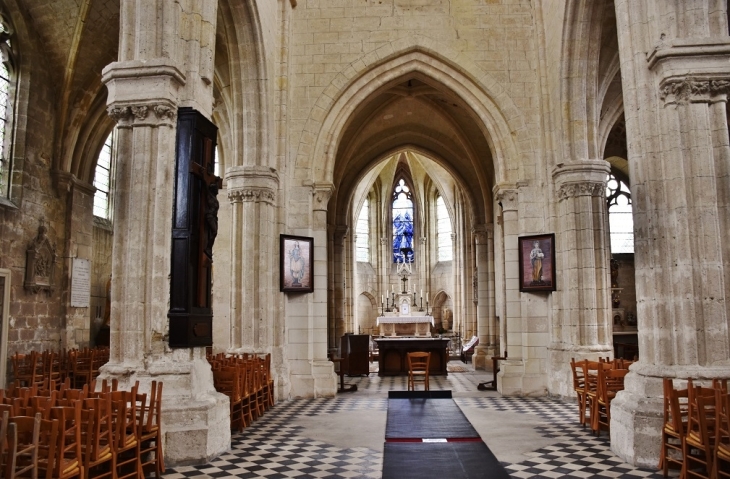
(482,358)
(198,431)
(510,377)
(196,425)
(322,382)
(561,378)
(637,420)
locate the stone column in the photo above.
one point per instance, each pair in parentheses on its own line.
(581,302)
(485,316)
(512,371)
(252,193)
(675,68)
(312,374)
(338,290)
(165,61)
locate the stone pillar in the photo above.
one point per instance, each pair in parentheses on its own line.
(165,61)
(338,290)
(252,193)
(512,371)
(582,304)
(675,68)
(312,373)
(485,317)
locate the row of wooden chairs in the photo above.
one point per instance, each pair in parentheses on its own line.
(595,384)
(80,365)
(65,433)
(696,432)
(248,383)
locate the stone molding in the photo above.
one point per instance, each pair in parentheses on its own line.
(65,182)
(252,184)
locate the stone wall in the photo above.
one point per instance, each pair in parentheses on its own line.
(101,271)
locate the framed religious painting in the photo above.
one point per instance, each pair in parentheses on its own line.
(296,267)
(537,262)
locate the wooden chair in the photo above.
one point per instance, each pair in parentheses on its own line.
(676,407)
(226,381)
(579,387)
(126,444)
(99,460)
(700,436)
(68,458)
(590,378)
(721,460)
(268,381)
(150,434)
(22,447)
(25,368)
(610,381)
(418,369)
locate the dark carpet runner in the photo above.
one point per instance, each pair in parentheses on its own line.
(428,436)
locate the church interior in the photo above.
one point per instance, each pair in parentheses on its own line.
(517,184)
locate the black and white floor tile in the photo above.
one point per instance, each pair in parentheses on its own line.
(274,447)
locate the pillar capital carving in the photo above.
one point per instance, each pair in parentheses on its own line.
(507,196)
(339,233)
(481,233)
(143,114)
(680,91)
(322,192)
(584,188)
(581,178)
(252,184)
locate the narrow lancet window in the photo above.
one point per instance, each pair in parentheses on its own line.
(402,224)
(102,180)
(362,243)
(443,231)
(620,218)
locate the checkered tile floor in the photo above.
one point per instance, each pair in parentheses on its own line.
(273,447)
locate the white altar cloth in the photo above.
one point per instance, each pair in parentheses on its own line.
(405,320)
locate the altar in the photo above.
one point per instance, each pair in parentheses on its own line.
(405,325)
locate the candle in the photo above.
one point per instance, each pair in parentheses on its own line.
(422,292)
(381,299)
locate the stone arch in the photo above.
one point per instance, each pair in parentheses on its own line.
(240,86)
(502,123)
(369,324)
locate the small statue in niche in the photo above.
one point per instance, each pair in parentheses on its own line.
(40,258)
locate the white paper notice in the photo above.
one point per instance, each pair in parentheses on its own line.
(80,283)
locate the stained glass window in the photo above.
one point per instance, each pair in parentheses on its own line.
(102,180)
(362,230)
(620,218)
(443,231)
(5,110)
(402,224)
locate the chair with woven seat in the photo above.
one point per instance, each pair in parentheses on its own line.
(99,460)
(68,461)
(23,434)
(227,381)
(579,387)
(126,434)
(418,369)
(150,436)
(676,406)
(721,462)
(700,437)
(610,381)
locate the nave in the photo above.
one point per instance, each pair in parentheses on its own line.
(344,436)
